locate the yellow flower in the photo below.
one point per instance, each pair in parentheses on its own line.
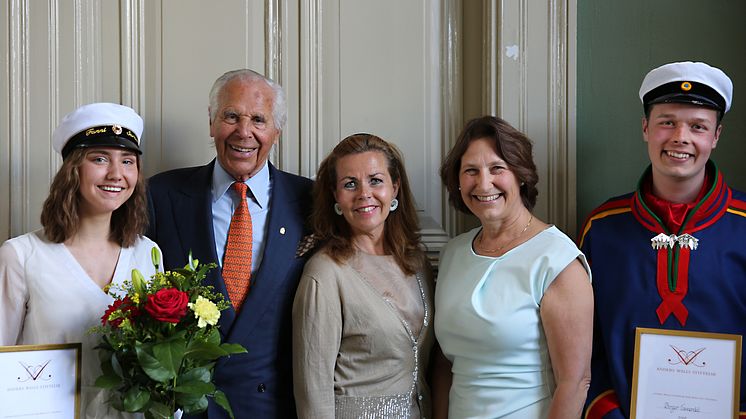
(160,280)
(126,325)
(206,311)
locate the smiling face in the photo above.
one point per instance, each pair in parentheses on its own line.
(488,187)
(244,128)
(364,190)
(680,139)
(108,177)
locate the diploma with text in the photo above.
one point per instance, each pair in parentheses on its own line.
(685,375)
(40,381)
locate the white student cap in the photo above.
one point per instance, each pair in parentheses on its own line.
(688,82)
(98,125)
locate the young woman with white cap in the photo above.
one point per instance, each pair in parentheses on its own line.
(52,280)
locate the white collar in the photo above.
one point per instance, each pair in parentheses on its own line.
(258,184)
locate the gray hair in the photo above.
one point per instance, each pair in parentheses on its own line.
(279,105)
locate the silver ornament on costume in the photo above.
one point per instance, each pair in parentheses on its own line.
(685,241)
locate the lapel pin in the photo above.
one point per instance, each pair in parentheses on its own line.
(282,230)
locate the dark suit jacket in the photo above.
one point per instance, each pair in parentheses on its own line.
(258,384)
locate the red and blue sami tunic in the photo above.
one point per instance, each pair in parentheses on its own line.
(646,276)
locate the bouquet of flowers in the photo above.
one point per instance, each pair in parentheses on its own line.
(160,341)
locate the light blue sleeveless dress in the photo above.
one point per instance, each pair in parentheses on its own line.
(488,324)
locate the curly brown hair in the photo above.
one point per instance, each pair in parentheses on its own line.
(60,216)
(401,228)
(512,146)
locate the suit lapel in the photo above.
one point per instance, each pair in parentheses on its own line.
(193,204)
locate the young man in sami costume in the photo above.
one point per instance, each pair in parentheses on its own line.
(671,254)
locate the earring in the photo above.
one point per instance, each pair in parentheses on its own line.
(394,204)
(337,208)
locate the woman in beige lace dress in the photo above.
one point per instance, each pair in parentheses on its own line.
(362,319)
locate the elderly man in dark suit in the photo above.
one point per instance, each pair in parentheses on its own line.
(203,210)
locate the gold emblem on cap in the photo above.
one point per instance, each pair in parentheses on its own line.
(94,131)
(117,129)
(133,136)
(686,86)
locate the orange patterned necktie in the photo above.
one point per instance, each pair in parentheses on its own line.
(237,259)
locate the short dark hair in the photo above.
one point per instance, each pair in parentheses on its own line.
(512,146)
(401,229)
(60,214)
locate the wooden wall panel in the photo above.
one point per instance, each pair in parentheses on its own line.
(347,66)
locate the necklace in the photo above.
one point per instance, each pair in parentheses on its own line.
(481,236)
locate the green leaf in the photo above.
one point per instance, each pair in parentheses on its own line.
(214,337)
(190,403)
(169,354)
(108,378)
(135,399)
(222,401)
(160,411)
(108,381)
(205,350)
(116,365)
(196,388)
(233,348)
(152,366)
(195,375)
(115,401)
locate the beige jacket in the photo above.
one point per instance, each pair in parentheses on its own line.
(348,341)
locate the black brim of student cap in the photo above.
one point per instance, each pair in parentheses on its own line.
(125,139)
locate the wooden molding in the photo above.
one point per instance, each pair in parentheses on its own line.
(313,91)
(19,109)
(133,53)
(510,89)
(274,27)
(452,110)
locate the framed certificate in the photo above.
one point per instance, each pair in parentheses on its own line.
(40,381)
(685,375)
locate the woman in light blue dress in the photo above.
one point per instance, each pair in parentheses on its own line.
(513,301)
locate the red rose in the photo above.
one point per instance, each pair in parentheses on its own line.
(125,306)
(167,305)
